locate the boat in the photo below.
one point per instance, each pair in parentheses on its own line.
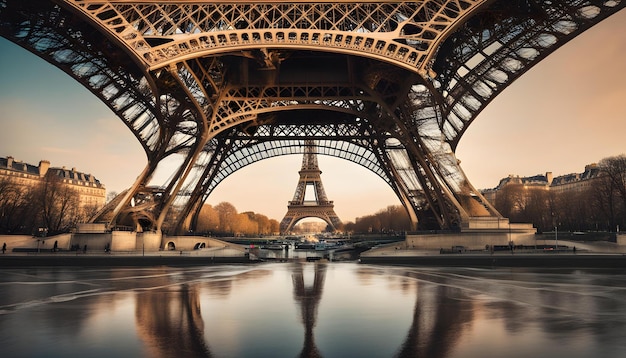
(274,247)
(304,246)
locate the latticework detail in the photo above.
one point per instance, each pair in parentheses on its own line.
(390,85)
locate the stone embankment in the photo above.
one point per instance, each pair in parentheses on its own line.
(51,260)
(569,255)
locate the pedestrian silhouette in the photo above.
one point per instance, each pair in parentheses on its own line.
(4,247)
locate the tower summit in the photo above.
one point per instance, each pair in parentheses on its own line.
(303,206)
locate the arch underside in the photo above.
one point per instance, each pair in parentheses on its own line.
(223,93)
(327,216)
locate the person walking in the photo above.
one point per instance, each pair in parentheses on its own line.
(4,248)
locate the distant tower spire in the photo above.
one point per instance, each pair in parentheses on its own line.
(302,207)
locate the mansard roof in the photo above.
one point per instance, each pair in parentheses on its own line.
(63,172)
(532,180)
(591,171)
(19,166)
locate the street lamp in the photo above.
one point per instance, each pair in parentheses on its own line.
(556,238)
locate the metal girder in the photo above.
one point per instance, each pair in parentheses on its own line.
(161,33)
(225,84)
(495,47)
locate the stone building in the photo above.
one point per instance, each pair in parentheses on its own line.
(575,182)
(91,192)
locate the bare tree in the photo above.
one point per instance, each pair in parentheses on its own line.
(536,208)
(508,201)
(58,204)
(16,211)
(613,172)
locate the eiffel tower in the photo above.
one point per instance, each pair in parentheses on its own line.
(390,85)
(300,208)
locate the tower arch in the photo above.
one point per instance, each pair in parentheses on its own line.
(144,60)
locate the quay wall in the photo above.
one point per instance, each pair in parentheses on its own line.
(93,241)
(147,241)
(187,243)
(472,240)
(117,241)
(12,240)
(517,260)
(28,241)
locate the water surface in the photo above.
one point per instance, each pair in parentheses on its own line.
(311,310)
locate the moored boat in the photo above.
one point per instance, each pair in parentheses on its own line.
(274,247)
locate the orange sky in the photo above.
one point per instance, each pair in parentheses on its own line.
(563,114)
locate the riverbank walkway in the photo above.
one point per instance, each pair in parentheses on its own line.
(586,255)
(570,254)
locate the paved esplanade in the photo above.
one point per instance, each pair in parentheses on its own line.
(390,85)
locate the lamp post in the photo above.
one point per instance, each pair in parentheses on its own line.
(556,238)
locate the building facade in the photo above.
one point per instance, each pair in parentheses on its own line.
(90,191)
(569,183)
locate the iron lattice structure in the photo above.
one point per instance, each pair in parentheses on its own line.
(390,85)
(302,206)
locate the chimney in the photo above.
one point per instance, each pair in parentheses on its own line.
(9,162)
(44,165)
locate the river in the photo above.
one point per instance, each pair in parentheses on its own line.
(312,309)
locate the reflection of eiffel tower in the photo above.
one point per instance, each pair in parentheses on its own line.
(309,298)
(439,322)
(301,207)
(175,329)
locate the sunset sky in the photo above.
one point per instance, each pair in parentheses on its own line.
(565,113)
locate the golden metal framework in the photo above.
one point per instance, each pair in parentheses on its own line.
(169,32)
(391,85)
(300,208)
